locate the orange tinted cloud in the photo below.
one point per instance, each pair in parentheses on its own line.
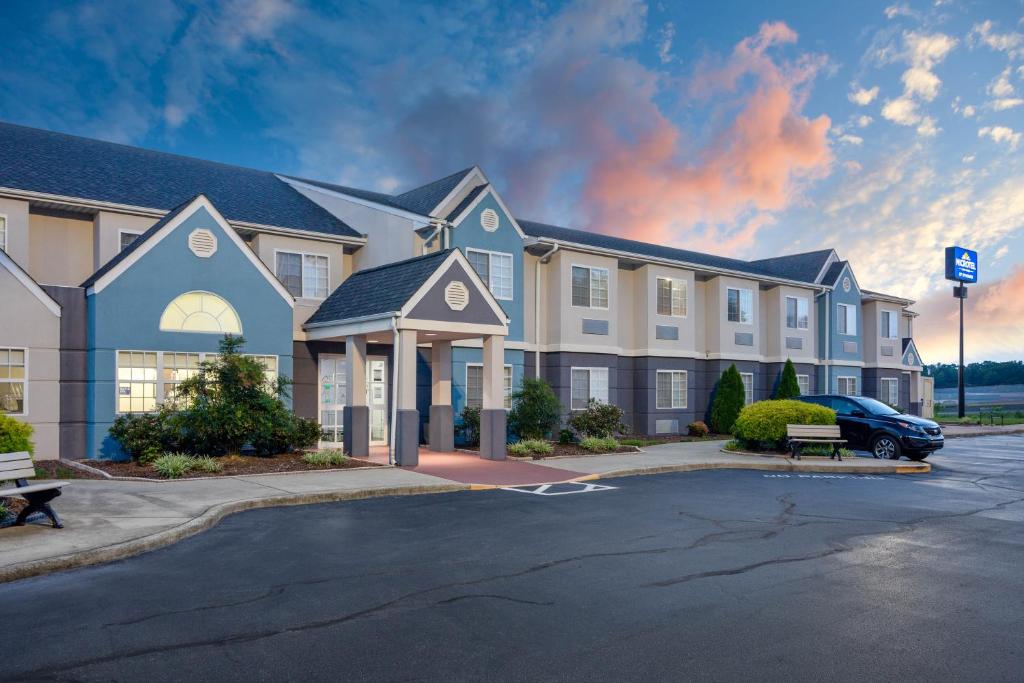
(655,188)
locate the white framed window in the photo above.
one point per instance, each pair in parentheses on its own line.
(739,305)
(125,238)
(202,312)
(306,276)
(589,287)
(588,383)
(748,387)
(889,390)
(495,269)
(847,386)
(13,381)
(671,297)
(797,315)
(804,382)
(846,319)
(475,385)
(3,232)
(145,379)
(888,325)
(670,389)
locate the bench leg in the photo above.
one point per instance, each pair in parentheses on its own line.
(40,502)
(796,452)
(836,453)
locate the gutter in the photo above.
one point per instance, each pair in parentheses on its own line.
(360,319)
(544,259)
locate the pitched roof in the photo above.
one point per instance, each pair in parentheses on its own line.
(833,272)
(535,229)
(379,290)
(29,283)
(469,199)
(804,267)
(419,200)
(138,242)
(67,165)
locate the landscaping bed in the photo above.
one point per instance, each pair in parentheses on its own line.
(571,450)
(231,465)
(643,441)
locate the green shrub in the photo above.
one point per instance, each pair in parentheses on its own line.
(15,436)
(173,465)
(3,507)
(471,425)
(536,411)
(325,458)
(565,436)
(733,445)
(729,399)
(147,436)
(639,443)
(788,387)
(599,419)
(204,463)
(697,428)
(539,446)
(599,444)
(519,448)
(762,425)
(825,451)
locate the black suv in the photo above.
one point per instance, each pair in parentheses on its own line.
(872,425)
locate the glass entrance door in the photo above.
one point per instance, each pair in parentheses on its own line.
(333,395)
(377,399)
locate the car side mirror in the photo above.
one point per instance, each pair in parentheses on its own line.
(858,413)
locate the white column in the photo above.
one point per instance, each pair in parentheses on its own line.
(407,419)
(406,360)
(441,373)
(355,362)
(494,372)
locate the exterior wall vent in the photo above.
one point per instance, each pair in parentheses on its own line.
(743,338)
(456,295)
(887,351)
(666,332)
(666,426)
(849,347)
(591,326)
(489,220)
(202,243)
(794,343)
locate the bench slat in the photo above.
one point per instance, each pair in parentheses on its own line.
(32,489)
(826,431)
(11,475)
(19,455)
(14,465)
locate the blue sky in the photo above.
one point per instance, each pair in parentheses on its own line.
(887,130)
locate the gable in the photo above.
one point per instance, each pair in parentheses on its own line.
(479,212)
(910,355)
(23,281)
(469,302)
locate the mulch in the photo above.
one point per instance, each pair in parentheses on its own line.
(234,465)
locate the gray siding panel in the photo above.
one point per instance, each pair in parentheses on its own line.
(744,338)
(666,332)
(74,370)
(592,326)
(794,342)
(849,347)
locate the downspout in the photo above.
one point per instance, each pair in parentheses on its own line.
(828,336)
(395,372)
(440,228)
(545,259)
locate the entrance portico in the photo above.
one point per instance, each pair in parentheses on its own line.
(428,301)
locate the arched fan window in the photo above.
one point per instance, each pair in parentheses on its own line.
(200,312)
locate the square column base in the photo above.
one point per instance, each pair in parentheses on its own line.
(407,442)
(493,434)
(356,439)
(442,428)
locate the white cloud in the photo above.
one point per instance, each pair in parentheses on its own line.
(863,96)
(1001,134)
(668,34)
(967,158)
(902,110)
(851,139)
(893,11)
(925,51)
(1002,251)
(922,52)
(927,127)
(921,82)
(1000,85)
(1011,43)
(1007,103)
(852,166)
(967,111)
(863,121)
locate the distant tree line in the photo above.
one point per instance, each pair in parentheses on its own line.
(984,374)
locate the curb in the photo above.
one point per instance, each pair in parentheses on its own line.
(103,474)
(783,466)
(206,520)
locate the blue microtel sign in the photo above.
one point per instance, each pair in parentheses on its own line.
(961,264)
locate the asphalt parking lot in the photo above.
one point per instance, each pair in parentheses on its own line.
(714,575)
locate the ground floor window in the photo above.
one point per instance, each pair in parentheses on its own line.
(671,389)
(475,385)
(13,366)
(847,386)
(889,390)
(146,379)
(748,387)
(588,383)
(333,397)
(804,382)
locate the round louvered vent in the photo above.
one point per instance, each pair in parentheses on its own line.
(489,220)
(202,242)
(846,284)
(456,295)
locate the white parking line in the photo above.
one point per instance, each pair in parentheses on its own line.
(824,476)
(545,489)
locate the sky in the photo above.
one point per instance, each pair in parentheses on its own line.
(887,131)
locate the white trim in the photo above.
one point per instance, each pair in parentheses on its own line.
(856,385)
(752,398)
(6,222)
(24,397)
(739,303)
(348,328)
(31,285)
(868,295)
(785,312)
(490,270)
(302,273)
(686,391)
(590,384)
(846,319)
(186,213)
(512,386)
(590,287)
(853,278)
(808,378)
(440,272)
(241,328)
(829,260)
(497,198)
(896,318)
(384,208)
(884,399)
(122,231)
(475,171)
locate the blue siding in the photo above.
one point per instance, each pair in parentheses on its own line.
(462,356)
(852,298)
(827,375)
(126,315)
(470,234)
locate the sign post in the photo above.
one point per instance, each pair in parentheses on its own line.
(961,267)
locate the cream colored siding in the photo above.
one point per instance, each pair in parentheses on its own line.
(648,319)
(60,250)
(775,328)
(629,312)
(567,320)
(722,332)
(16,213)
(107,227)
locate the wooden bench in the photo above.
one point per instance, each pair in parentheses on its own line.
(19,467)
(803,435)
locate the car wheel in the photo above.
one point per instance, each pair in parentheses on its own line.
(917,456)
(885,447)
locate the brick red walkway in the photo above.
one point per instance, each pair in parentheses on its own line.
(468,468)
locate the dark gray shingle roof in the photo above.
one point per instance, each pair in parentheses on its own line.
(803,267)
(469,199)
(56,163)
(421,200)
(379,290)
(833,272)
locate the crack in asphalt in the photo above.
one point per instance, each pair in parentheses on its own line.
(745,568)
(470,596)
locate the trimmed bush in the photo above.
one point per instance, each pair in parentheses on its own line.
(530,447)
(697,428)
(536,411)
(788,385)
(565,436)
(205,463)
(519,448)
(599,419)
(762,425)
(146,436)
(729,399)
(173,465)
(599,444)
(471,425)
(15,436)
(325,458)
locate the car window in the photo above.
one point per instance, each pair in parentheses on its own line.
(843,406)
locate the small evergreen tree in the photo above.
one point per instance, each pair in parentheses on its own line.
(729,399)
(536,411)
(788,386)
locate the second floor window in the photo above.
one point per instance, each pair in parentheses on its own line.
(846,319)
(304,275)
(796,313)
(888,326)
(671,297)
(589,287)
(495,269)
(126,238)
(740,305)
